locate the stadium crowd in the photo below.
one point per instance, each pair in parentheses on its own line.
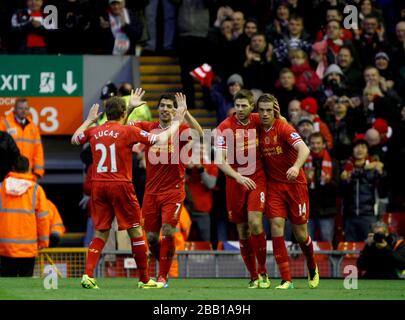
(343,89)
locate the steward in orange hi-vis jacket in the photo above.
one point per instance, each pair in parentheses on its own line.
(57,228)
(26,135)
(24,221)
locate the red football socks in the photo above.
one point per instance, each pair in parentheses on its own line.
(248,255)
(308,250)
(260,246)
(281,255)
(167,249)
(93,254)
(139,250)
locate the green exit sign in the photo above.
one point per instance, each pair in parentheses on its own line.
(41,76)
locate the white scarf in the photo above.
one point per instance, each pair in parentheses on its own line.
(121,44)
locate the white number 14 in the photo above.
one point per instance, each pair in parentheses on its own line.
(302,209)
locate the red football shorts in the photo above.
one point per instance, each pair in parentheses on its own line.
(240,201)
(288,200)
(159,209)
(109,199)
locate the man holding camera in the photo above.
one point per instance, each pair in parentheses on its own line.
(383,257)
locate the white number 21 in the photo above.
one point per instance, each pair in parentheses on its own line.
(100,167)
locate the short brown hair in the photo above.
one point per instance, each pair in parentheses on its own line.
(20,100)
(168,96)
(245,94)
(317,135)
(115,108)
(267,97)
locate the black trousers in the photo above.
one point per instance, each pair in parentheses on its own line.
(16,267)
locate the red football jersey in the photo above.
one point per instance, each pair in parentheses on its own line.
(241,142)
(277,146)
(111,148)
(164,168)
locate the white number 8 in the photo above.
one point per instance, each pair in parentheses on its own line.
(262,197)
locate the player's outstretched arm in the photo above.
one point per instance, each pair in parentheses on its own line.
(178,118)
(193,123)
(303,153)
(229,171)
(91,118)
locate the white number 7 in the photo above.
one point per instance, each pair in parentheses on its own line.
(178,205)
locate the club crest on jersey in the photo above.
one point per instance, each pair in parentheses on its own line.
(221,141)
(294,136)
(144,133)
(267,140)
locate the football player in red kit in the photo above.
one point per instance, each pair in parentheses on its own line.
(112,193)
(284,153)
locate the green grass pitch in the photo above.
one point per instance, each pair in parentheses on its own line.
(199,289)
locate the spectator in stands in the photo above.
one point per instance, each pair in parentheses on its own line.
(119,29)
(9,153)
(399,45)
(75,32)
(169,11)
(279,25)
(309,108)
(344,123)
(285,89)
(193,24)
(383,256)
(220,98)
(359,180)
(251,27)
(322,175)
(332,84)
(238,19)
(382,63)
(334,14)
(379,100)
(26,134)
(24,221)
(305,128)
(346,61)
(294,112)
(318,58)
(201,178)
(29,32)
(370,39)
(295,38)
(259,68)
(307,81)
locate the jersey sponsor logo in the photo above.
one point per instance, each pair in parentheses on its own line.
(221,141)
(295,136)
(144,133)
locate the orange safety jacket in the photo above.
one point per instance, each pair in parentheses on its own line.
(57,226)
(24,216)
(180,237)
(28,140)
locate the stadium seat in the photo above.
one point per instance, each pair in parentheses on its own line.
(395,222)
(324,265)
(349,259)
(198,245)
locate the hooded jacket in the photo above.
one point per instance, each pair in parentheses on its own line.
(24,216)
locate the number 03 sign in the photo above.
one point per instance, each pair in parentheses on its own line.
(53,115)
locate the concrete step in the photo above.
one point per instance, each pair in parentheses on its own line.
(145,79)
(144,60)
(155,95)
(159,69)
